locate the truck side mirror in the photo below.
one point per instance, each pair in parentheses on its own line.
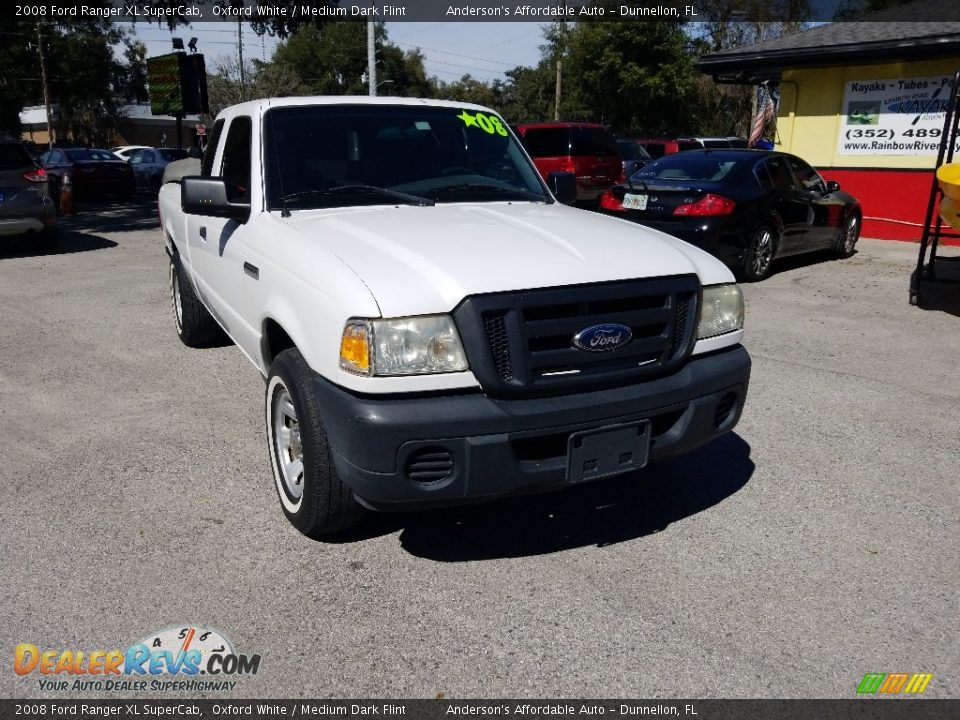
(563,185)
(208,196)
(832,186)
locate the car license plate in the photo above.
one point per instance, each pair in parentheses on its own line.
(635,202)
(612,450)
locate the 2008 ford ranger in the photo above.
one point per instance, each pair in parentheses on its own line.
(433,324)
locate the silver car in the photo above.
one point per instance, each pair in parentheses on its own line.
(148,165)
(25,204)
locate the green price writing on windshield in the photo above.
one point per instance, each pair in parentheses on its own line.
(490,124)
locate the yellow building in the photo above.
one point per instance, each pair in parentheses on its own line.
(864,102)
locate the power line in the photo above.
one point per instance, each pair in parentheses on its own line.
(460,55)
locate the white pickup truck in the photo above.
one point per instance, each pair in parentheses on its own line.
(434,324)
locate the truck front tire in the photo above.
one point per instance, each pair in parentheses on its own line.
(312,496)
(195,325)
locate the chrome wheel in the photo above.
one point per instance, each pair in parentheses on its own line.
(762,253)
(175,296)
(851,233)
(288,447)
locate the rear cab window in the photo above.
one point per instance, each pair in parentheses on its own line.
(547,142)
(592,141)
(14,156)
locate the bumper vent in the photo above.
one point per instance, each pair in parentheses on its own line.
(724,409)
(429,465)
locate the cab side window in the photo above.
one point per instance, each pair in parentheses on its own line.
(237,152)
(206,165)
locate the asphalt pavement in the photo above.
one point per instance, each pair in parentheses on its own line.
(816,543)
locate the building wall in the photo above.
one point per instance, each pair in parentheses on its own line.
(894,190)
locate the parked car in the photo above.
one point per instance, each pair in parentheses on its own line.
(125,151)
(714,143)
(588,150)
(633,156)
(746,207)
(148,165)
(94,172)
(658,147)
(25,204)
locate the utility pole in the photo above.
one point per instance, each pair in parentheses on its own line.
(556,105)
(561,44)
(243,80)
(46,86)
(371,56)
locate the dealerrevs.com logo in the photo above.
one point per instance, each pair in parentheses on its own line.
(186,658)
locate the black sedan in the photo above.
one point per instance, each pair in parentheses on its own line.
(746,207)
(93,172)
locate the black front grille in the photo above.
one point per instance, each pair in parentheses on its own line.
(522,342)
(496,330)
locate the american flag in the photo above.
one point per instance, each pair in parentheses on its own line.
(767,101)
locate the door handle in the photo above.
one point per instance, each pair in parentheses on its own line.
(203,232)
(251,270)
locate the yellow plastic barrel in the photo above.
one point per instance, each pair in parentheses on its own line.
(949,178)
(950,212)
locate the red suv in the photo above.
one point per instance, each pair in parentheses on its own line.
(588,150)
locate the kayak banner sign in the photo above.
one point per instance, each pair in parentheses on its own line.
(894,116)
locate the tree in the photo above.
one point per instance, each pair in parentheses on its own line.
(528,94)
(19,73)
(330,60)
(634,76)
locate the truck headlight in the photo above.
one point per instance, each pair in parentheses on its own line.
(420,345)
(721,311)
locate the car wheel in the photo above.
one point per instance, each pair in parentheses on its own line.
(312,496)
(849,234)
(195,325)
(759,256)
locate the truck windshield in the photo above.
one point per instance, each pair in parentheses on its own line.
(320,156)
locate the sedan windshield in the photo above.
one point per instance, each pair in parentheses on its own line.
(322,156)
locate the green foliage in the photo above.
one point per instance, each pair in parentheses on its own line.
(88,84)
(855,9)
(529,93)
(330,60)
(634,76)
(19,73)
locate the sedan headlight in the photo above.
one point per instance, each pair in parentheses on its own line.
(721,312)
(421,345)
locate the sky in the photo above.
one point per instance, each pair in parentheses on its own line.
(483,49)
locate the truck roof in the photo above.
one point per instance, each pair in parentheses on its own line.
(263,104)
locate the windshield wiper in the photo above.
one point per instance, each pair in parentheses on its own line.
(482,187)
(346,189)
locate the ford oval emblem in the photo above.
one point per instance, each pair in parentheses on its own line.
(602,338)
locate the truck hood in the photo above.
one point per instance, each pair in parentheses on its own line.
(418,260)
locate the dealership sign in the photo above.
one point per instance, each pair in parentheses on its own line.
(896,116)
